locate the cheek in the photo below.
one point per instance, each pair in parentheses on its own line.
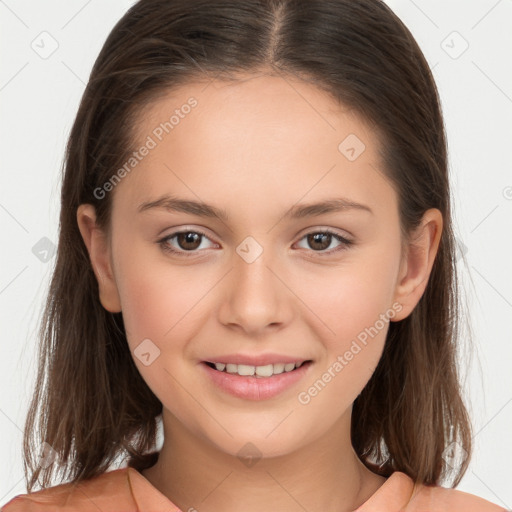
(157,299)
(157,305)
(357,315)
(354,305)
(351,298)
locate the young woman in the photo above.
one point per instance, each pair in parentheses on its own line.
(256,253)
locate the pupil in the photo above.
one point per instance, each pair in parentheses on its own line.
(317,238)
(188,238)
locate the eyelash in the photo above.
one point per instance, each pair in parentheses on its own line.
(346,243)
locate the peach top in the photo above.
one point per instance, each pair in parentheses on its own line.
(127,490)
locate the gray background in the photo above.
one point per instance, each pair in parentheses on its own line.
(48,51)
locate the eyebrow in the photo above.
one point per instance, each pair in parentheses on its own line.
(201,209)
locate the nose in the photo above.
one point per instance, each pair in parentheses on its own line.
(256,297)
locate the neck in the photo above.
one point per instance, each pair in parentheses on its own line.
(323,476)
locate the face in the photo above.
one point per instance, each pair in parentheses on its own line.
(267,281)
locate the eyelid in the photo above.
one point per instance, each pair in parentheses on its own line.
(325,229)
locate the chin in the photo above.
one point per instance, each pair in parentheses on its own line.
(250,447)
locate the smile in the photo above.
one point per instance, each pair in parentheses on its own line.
(256,371)
(256,382)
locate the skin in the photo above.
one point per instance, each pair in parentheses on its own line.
(256,147)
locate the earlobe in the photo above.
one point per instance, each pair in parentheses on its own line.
(418,261)
(99,253)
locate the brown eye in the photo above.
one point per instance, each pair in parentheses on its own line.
(183,242)
(188,240)
(319,241)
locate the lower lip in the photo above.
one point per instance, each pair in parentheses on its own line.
(256,388)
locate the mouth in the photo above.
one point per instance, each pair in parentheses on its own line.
(257,372)
(256,382)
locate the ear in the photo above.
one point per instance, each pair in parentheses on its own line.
(100,254)
(417,262)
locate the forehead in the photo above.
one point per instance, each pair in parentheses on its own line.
(268,106)
(258,136)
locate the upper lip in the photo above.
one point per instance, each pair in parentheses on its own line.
(256,360)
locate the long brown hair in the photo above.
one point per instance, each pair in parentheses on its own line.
(91,402)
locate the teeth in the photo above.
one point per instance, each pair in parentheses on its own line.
(258,371)
(265,371)
(232,368)
(243,369)
(278,368)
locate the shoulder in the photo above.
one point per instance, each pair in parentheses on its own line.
(399,494)
(441,499)
(106,492)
